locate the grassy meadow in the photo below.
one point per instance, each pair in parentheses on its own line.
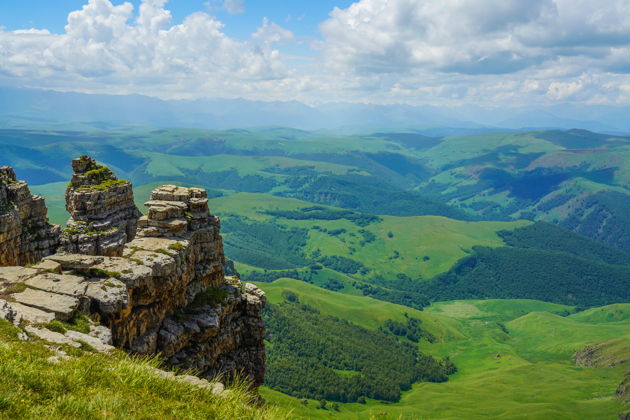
(418,246)
(514,359)
(105,386)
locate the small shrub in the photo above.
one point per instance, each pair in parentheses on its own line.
(56,326)
(210,297)
(290,296)
(15,288)
(80,323)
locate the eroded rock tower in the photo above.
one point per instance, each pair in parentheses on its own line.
(103,215)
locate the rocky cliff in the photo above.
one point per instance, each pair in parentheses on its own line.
(162,292)
(25,234)
(103,215)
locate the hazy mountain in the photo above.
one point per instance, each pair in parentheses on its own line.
(25,107)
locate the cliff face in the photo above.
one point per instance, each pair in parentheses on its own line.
(103,215)
(25,234)
(165,293)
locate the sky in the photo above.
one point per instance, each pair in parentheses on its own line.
(447,52)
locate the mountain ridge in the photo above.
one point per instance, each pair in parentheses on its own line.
(22,105)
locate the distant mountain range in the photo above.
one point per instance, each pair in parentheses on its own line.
(21,108)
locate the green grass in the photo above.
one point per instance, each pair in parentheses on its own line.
(100,386)
(494,309)
(171,165)
(79,323)
(442,240)
(533,377)
(612,313)
(456,148)
(363,311)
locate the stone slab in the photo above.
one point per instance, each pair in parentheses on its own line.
(63,306)
(16,274)
(66,284)
(92,341)
(48,265)
(75,261)
(51,336)
(33,315)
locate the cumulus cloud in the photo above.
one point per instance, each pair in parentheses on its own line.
(104,48)
(379,51)
(482,50)
(472,36)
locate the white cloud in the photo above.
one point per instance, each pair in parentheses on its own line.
(472,36)
(491,52)
(270,33)
(103,49)
(562,90)
(234,6)
(482,50)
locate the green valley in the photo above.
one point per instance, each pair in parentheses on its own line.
(360,209)
(514,358)
(407,276)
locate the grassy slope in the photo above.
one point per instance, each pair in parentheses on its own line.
(99,386)
(453,149)
(534,377)
(171,165)
(363,311)
(612,313)
(441,239)
(450,157)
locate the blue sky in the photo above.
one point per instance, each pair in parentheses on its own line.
(302,17)
(447,52)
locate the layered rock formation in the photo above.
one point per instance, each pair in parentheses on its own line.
(166,293)
(25,234)
(103,215)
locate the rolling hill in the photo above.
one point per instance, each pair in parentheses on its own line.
(575,178)
(514,358)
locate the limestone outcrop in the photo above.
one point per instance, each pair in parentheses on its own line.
(599,355)
(103,215)
(164,292)
(25,234)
